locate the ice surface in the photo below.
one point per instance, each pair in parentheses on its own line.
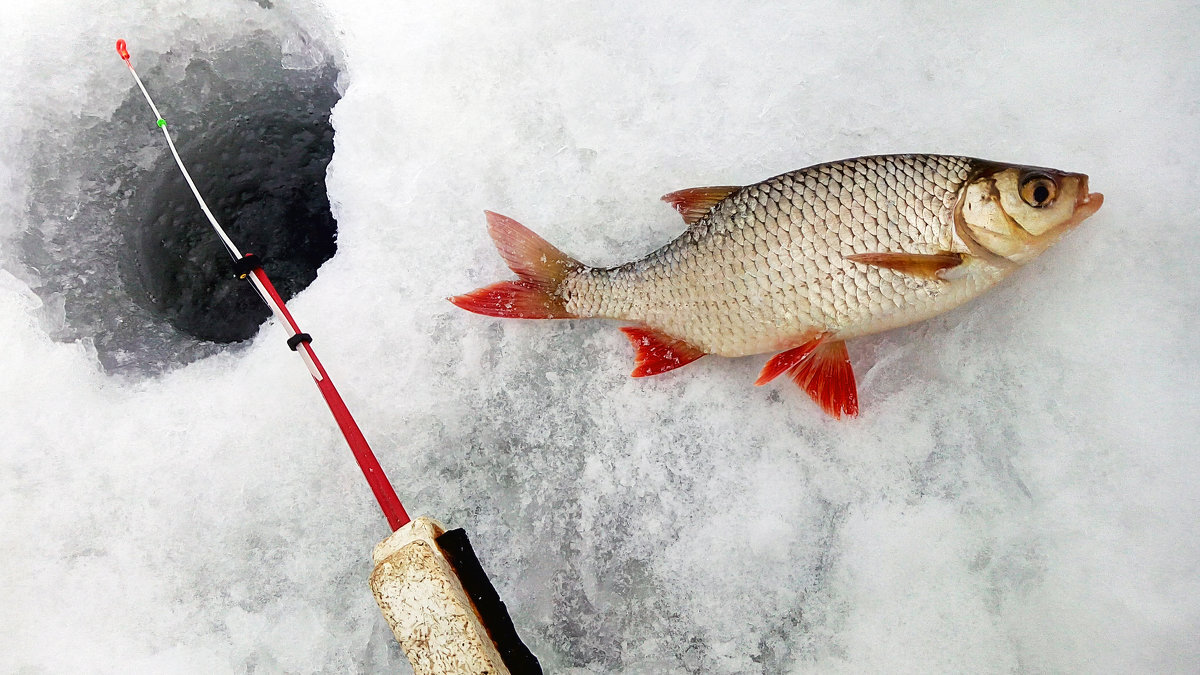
(1019,494)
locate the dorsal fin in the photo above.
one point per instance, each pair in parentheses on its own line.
(695,203)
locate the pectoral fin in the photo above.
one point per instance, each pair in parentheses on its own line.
(932,266)
(695,203)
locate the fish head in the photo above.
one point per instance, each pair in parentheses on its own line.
(1016,212)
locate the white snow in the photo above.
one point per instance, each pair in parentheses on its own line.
(1020,492)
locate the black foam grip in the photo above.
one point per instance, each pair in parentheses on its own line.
(517,657)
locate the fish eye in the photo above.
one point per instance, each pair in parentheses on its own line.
(1038,190)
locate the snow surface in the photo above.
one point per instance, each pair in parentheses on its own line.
(1020,493)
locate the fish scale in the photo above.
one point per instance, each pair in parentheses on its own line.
(767,266)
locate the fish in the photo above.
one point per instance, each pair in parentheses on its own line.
(799,263)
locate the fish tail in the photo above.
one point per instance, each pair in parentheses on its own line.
(540,269)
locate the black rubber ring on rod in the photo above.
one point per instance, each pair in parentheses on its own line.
(296,339)
(246,264)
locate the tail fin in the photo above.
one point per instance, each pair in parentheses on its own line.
(540,267)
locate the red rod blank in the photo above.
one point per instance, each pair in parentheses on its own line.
(397,517)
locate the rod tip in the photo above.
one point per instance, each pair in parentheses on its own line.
(122,50)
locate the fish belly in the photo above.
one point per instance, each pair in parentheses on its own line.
(766,269)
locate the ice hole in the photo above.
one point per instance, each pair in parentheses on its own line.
(119,250)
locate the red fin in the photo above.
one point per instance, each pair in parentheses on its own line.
(541,269)
(926,266)
(514,300)
(823,370)
(530,256)
(785,361)
(829,379)
(695,203)
(658,352)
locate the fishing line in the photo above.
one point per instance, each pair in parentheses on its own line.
(249,267)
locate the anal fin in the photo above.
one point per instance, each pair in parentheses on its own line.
(658,352)
(822,369)
(926,266)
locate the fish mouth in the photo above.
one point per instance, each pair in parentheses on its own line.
(1086,204)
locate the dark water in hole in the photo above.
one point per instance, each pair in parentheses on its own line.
(262,173)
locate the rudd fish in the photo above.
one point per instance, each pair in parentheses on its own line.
(801,262)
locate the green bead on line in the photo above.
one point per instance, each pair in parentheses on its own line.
(162,122)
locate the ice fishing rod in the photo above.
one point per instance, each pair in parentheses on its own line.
(427,580)
(249,267)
